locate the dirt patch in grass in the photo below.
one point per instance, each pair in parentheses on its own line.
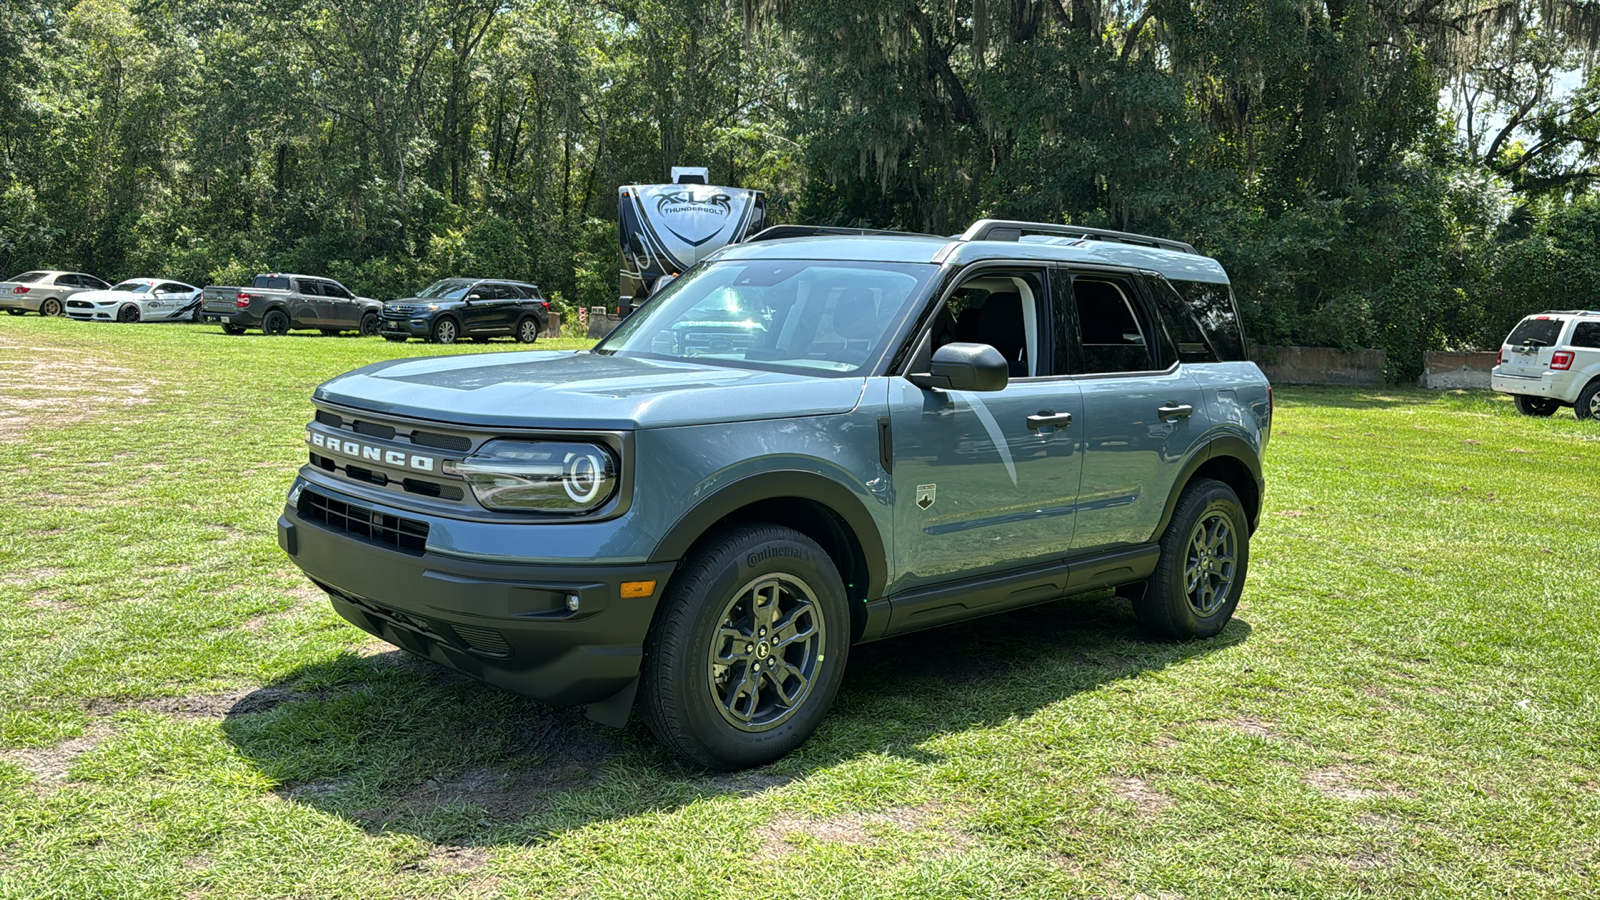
(204,706)
(860,829)
(1340,784)
(49,765)
(1145,799)
(51,378)
(23,577)
(747,782)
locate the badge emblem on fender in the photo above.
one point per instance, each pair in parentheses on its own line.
(926,494)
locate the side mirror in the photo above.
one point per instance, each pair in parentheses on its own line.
(965,367)
(472,297)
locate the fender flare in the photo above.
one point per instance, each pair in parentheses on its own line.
(782,484)
(1224,446)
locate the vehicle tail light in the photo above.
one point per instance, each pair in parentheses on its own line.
(1561,360)
(241,300)
(20,289)
(545,303)
(1500,359)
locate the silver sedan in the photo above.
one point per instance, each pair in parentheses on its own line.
(45,292)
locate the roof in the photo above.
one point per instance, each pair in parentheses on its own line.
(1174,264)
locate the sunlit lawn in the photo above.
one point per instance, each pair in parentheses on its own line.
(1405,705)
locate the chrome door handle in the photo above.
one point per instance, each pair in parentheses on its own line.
(1175,411)
(1048,418)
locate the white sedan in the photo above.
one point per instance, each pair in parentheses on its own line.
(138,300)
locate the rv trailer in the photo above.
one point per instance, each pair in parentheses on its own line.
(666,228)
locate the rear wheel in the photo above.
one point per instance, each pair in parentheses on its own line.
(1204,555)
(749,649)
(233,329)
(1587,405)
(528,330)
(445,331)
(50,307)
(275,323)
(1535,406)
(369,324)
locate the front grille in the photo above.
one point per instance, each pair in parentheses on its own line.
(486,641)
(441,441)
(432,489)
(367,475)
(329,419)
(79,304)
(408,535)
(386,432)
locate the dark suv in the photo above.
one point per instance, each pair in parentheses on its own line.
(477,308)
(921,431)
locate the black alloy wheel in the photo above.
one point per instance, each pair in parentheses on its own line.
(50,307)
(445,331)
(1535,406)
(128,313)
(275,323)
(528,330)
(1205,553)
(369,324)
(748,650)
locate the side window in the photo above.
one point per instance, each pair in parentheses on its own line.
(70,281)
(1186,334)
(309,288)
(170,288)
(1005,309)
(93,283)
(1587,334)
(1114,333)
(335,289)
(1213,309)
(495,292)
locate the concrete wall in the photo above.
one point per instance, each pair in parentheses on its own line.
(1321,365)
(554,328)
(1444,371)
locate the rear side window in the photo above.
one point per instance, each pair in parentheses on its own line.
(271,282)
(170,288)
(89,281)
(1212,308)
(1541,332)
(1587,334)
(1115,337)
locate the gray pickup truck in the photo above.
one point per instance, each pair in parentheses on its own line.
(275,303)
(908,431)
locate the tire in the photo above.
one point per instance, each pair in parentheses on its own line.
(275,322)
(713,609)
(50,307)
(1587,406)
(233,329)
(1535,406)
(445,331)
(128,314)
(369,324)
(528,330)
(395,338)
(1205,554)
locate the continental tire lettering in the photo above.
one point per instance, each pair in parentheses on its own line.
(761,556)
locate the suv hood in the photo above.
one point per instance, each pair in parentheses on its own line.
(541,389)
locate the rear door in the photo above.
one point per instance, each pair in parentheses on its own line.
(1142,412)
(1530,345)
(307,304)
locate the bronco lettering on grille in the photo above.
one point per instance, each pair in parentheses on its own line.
(362,451)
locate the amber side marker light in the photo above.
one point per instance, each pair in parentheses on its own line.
(633,590)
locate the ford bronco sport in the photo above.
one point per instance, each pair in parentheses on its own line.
(918,431)
(1551,360)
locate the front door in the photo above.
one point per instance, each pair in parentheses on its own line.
(487,315)
(986,481)
(1142,412)
(339,308)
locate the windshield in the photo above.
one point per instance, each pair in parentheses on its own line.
(448,289)
(133,287)
(28,277)
(827,316)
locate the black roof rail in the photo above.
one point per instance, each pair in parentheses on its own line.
(778,232)
(1009,230)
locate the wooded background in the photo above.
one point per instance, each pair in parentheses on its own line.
(1401,174)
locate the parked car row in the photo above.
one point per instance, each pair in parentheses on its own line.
(443,312)
(275,303)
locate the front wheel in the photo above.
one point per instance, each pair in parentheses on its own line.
(1587,406)
(1204,555)
(275,323)
(445,331)
(128,313)
(50,307)
(749,649)
(369,324)
(528,330)
(235,330)
(1535,406)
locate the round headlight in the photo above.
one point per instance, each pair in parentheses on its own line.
(541,476)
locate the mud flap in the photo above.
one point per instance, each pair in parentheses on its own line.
(614,710)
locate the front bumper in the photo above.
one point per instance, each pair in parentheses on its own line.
(413,327)
(511,626)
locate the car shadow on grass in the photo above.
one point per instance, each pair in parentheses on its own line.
(396,743)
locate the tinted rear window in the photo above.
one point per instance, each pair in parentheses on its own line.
(272,282)
(1587,334)
(1543,332)
(28,277)
(1212,308)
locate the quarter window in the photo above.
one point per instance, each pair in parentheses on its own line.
(1587,334)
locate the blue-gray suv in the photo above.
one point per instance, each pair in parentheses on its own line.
(908,431)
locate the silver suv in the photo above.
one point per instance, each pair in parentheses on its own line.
(1551,360)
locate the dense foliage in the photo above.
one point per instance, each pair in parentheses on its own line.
(1407,174)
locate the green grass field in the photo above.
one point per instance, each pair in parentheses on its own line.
(1405,706)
